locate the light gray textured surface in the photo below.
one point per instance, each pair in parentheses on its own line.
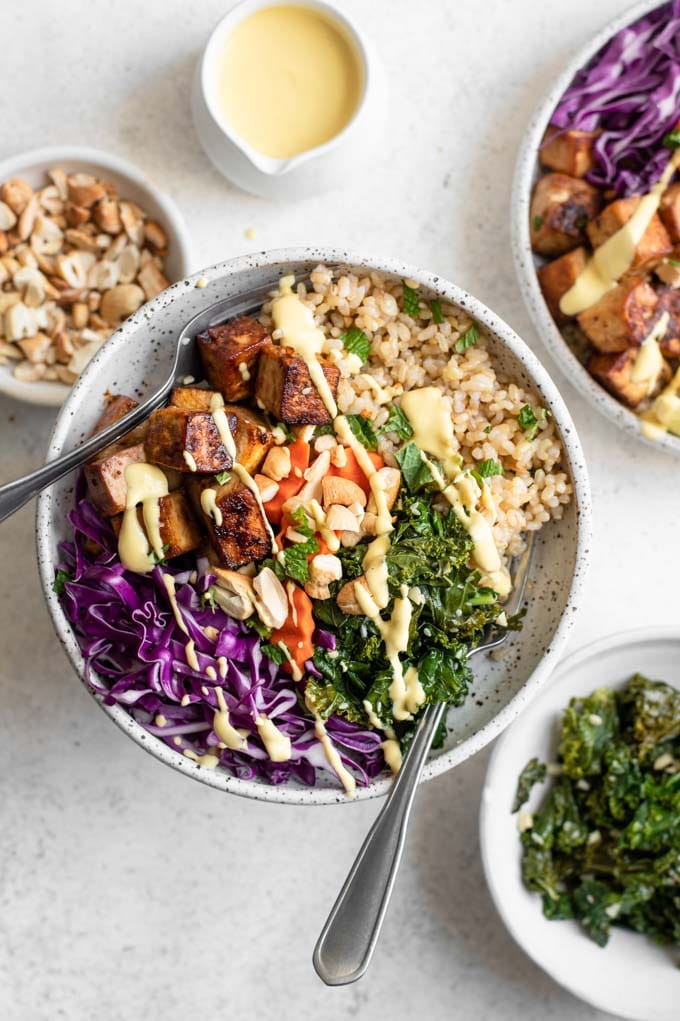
(127,892)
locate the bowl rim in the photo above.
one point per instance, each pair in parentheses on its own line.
(51,394)
(288,257)
(522,186)
(596,648)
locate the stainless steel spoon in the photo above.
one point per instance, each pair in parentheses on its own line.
(349,937)
(15,494)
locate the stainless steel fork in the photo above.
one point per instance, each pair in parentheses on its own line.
(349,937)
(15,494)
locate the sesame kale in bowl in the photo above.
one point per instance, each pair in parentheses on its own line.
(325,529)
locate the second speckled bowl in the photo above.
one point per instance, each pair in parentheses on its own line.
(137,358)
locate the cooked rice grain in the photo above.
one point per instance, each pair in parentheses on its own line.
(408,353)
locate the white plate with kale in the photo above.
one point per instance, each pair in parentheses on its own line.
(326,526)
(580,825)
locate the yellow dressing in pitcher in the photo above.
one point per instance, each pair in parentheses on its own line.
(289,80)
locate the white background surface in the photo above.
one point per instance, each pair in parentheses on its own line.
(127,892)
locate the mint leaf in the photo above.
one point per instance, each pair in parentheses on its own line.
(222,477)
(537,221)
(397,422)
(488,468)
(468,339)
(415,472)
(60,579)
(410,302)
(273,652)
(363,430)
(436,310)
(357,343)
(672,139)
(530,420)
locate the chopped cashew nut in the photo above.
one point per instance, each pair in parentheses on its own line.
(234,593)
(277,463)
(337,490)
(267,487)
(390,479)
(341,519)
(271,602)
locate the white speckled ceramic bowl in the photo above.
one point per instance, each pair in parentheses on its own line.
(132,184)
(138,357)
(526,174)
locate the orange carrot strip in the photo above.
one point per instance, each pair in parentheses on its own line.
(298,637)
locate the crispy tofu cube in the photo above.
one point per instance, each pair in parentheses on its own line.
(569,152)
(669,211)
(178,527)
(284,387)
(668,300)
(117,407)
(105,477)
(242,536)
(654,244)
(561,207)
(558,276)
(252,438)
(186,441)
(191,398)
(622,318)
(614,372)
(230,353)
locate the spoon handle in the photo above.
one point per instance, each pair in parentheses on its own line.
(15,494)
(349,937)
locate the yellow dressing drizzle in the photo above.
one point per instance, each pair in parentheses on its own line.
(432,425)
(209,505)
(209,760)
(333,756)
(189,460)
(276,743)
(392,753)
(299,331)
(228,735)
(649,360)
(146,484)
(612,259)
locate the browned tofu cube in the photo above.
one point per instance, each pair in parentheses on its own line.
(569,151)
(117,407)
(654,244)
(614,372)
(230,354)
(178,527)
(241,537)
(252,438)
(187,441)
(191,398)
(105,477)
(668,300)
(558,276)
(622,318)
(561,207)
(669,211)
(284,387)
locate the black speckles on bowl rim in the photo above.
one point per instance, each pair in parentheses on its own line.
(526,173)
(137,357)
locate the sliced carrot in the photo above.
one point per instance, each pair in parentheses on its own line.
(353,471)
(292,484)
(298,636)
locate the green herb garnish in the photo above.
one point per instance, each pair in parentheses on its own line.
(673,262)
(288,433)
(292,561)
(410,302)
(468,339)
(397,422)
(60,579)
(530,420)
(436,310)
(672,139)
(273,652)
(325,430)
(363,430)
(155,559)
(415,473)
(538,222)
(207,599)
(603,847)
(485,469)
(357,343)
(222,477)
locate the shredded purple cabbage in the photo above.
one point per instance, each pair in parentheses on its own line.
(630,90)
(135,656)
